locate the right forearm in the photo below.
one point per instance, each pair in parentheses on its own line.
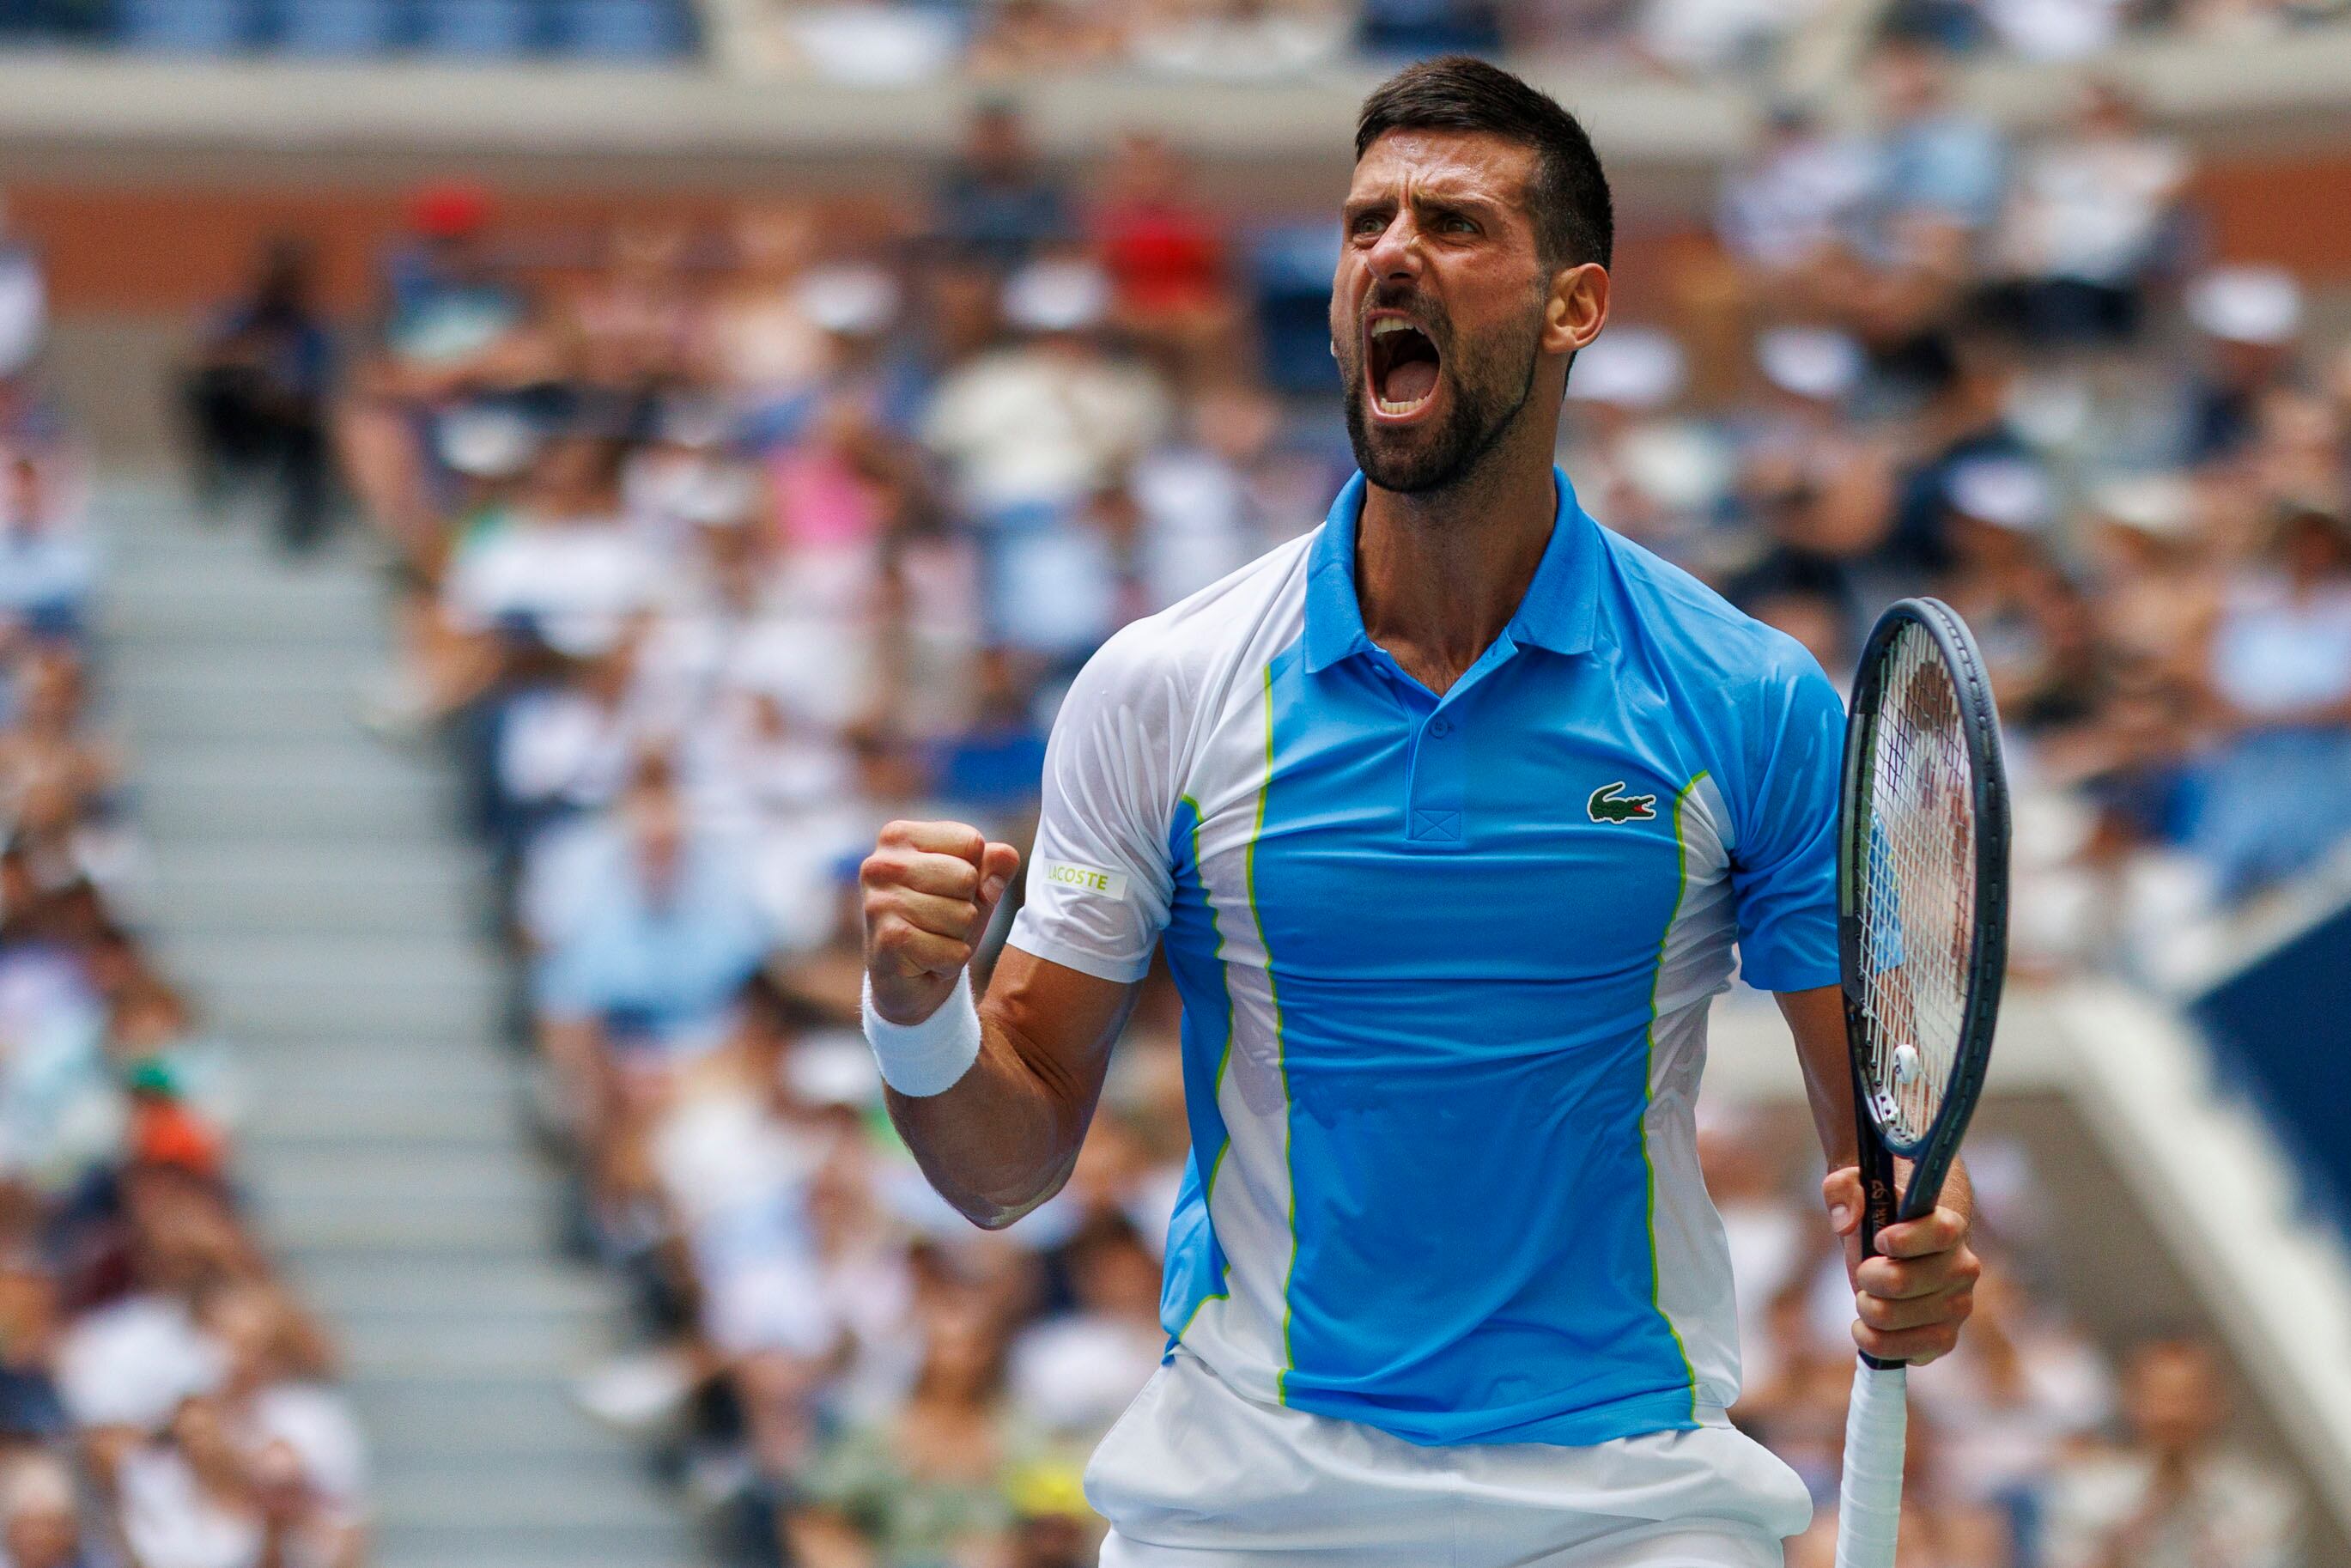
(1003,1140)
(994,1102)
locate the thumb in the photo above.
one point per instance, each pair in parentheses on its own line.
(1841,1192)
(998,862)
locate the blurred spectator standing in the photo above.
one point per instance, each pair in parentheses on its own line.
(2280,792)
(2090,220)
(255,396)
(2173,1495)
(452,325)
(995,201)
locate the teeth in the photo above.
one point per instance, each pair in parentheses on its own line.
(1387,324)
(1387,407)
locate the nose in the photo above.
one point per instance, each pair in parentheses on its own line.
(1396,252)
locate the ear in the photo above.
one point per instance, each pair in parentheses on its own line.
(1577,307)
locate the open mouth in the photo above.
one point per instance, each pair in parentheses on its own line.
(1402,367)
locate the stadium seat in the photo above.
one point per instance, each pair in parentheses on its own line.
(1289,276)
(618,30)
(487,29)
(335,27)
(186,26)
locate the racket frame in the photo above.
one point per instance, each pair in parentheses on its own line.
(1932,1154)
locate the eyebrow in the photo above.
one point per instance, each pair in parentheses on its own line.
(1441,200)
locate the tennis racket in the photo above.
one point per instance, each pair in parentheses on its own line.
(1922,906)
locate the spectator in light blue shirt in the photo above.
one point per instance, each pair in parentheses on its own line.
(47,566)
(665,934)
(1939,168)
(2278,795)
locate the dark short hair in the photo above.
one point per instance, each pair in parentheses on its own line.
(1568,197)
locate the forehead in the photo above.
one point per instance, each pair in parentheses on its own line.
(1461,163)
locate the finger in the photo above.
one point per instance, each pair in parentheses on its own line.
(1904,1279)
(1952,1307)
(961,840)
(923,911)
(1916,1346)
(997,865)
(1841,1192)
(918,952)
(1940,1231)
(944,875)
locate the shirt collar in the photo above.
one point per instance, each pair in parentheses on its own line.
(1557,613)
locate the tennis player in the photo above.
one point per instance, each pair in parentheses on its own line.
(1450,816)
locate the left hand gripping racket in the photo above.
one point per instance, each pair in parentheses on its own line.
(1922,906)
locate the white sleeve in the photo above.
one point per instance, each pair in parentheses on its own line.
(1100,878)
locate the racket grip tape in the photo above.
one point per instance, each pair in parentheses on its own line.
(1869,1499)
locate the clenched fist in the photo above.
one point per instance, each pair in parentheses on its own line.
(930,888)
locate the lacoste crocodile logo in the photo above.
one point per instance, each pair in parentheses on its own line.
(1607,805)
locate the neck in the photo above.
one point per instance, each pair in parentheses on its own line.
(1440,573)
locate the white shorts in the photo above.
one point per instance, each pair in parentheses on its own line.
(1195,1476)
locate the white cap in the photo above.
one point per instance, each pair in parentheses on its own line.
(486,442)
(834,1067)
(1809,361)
(1056,297)
(716,495)
(2247,304)
(1632,367)
(2161,506)
(855,300)
(2006,492)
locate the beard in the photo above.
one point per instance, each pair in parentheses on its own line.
(1490,381)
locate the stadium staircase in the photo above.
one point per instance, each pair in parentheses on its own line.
(310,887)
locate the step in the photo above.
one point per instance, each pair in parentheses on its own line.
(372,888)
(441,970)
(425,1238)
(480,1346)
(473,1417)
(327,711)
(356,764)
(460,1113)
(362,1175)
(565,1496)
(400,1543)
(248,803)
(354,1286)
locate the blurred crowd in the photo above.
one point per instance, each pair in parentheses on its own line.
(886,43)
(165,1401)
(717,548)
(895,42)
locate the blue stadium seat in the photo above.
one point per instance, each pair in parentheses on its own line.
(186,26)
(489,29)
(335,27)
(618,30)
(1290,275)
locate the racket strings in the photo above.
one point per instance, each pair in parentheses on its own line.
(1918,898)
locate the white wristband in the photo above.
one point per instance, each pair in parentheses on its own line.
(931,1057)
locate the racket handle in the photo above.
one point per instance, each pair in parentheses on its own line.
(1870,1500)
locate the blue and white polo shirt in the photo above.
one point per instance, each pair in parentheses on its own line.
(1446,965)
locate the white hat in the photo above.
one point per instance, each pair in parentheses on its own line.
(1056,297)
(2161,506)
(486,442)
(2247,304)
(716,495)
(1632,367)
(834,1067)
(1816,363)
(855,300)
(2006,492)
